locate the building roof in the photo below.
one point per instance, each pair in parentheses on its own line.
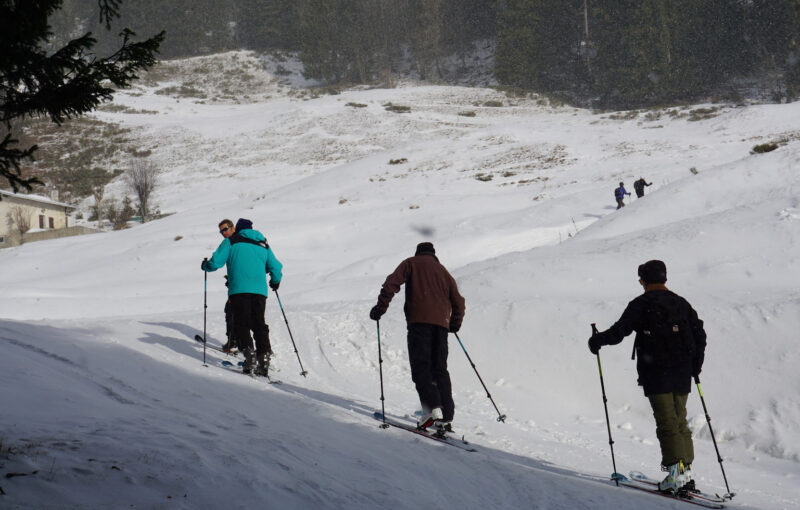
(36,198)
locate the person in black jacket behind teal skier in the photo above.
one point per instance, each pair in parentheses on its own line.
(670,347)
(248,258)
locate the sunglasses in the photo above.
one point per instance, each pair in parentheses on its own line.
(223,230)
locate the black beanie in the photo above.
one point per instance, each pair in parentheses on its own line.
(653,271)
(425,248)
(243,224)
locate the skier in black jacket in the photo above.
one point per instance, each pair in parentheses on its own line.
(638,187)
(670,346)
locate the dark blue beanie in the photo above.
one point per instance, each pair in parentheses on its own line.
(243,224)
(653,271)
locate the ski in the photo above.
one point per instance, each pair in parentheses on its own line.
(458,443)
(624,481)
(214,347)
(271,368)
(716,498)
(238,369)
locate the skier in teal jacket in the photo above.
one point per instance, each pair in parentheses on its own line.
(248,258)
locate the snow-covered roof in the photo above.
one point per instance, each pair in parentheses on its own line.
(36,198)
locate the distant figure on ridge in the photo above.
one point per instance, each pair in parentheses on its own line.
(670,344)
(433,308)
(248,258)
(619,194)
(638,187)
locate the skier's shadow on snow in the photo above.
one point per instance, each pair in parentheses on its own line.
(187,347)
(369,410)
(321,396)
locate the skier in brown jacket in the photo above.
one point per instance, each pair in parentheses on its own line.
(433,308)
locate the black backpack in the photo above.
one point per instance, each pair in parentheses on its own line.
(618,193)
(665,338)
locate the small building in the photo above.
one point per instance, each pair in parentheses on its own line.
(25,218)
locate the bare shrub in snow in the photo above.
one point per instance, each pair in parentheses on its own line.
(142,180)
(19,221)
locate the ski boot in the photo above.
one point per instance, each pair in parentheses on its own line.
(262,369)
(249,361)
(230,346)
(427,418)
(689,486)
(442,428)
(675,480)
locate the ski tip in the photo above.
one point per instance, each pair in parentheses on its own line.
(198,338)
(378,415)
(618,477)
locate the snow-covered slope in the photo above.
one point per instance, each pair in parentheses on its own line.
(106,398)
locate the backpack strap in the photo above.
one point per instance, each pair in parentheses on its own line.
(237,238)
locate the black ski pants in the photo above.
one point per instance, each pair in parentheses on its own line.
(248,314)
(427,352)
(620,203)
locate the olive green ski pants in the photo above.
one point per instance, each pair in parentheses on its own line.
(674,436)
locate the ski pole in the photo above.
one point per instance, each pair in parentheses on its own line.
(205,310)
(500,417)
(302,370)
(380,371)
(729,495)
(616,475)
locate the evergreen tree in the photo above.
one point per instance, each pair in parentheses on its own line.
(793,58)
(653,51)
(464,22)
(539,43)
(267,24)
(320,42)
(426,36)
(62,84)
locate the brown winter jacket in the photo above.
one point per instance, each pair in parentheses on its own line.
(431,293)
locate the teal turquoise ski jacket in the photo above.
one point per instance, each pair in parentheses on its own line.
(249,259)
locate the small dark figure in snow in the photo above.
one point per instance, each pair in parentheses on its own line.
(638,187)
(670,344)
(619,194)
(248,258)
(433,308)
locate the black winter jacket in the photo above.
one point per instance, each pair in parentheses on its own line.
(658,374)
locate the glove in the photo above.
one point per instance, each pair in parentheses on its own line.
(594,344)
(697,364)
(454,327)
(274,285)
(375,313)
(203,265)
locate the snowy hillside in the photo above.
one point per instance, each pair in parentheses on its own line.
(107,404)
